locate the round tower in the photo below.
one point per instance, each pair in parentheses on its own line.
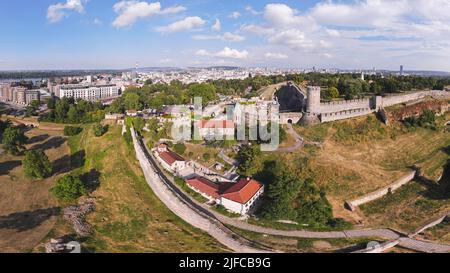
(312,106)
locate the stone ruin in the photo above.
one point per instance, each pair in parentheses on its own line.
(76,215)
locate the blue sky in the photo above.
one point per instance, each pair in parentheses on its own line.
(97,34)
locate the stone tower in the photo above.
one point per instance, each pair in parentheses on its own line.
(312,114)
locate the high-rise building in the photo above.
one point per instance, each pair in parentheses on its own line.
(401,70)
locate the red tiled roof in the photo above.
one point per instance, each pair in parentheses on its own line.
(170,157)
(220,124)
(205,186)
(242,191)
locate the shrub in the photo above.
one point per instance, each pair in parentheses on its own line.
(206,157)
(72,131)
(69,188)
(36,164)
(99,129)
(179,148)
(13,140)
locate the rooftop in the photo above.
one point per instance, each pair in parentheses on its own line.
(205,186)
(170,157)
(242,191)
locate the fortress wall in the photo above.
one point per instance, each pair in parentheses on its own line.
(397,99)
(380,193)
(337,106)
(328,117)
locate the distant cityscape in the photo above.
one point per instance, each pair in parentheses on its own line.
(107,85)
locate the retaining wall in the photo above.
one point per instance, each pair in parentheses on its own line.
(351,205)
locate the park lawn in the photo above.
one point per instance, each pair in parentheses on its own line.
(27,208)
(128,216)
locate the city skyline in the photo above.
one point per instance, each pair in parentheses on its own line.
(93,34)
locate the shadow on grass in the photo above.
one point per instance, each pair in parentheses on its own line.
(37,139)
(6,167)
(23,221)
(69,163)
(91,179)
(52,143)
(440,190)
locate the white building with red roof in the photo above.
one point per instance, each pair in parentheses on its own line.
(240,197)
(206,188)
(237,198)
(216,128)
(171,161)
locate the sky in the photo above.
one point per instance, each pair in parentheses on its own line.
(115,34)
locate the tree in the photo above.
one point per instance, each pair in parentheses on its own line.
(132,101)
(139,124)
(3,126)
(72,131)
(179,148)
(31,110)
(51,103)
(36,164)
(331,93)
(248,158)
(69,188)
(203,90)
(99,129)
(13,140)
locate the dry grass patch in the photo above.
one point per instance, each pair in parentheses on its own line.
(128,216)
(27,210)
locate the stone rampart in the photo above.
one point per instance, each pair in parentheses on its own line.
(351,205)
(346,114)
(337,106)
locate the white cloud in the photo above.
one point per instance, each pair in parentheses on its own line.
(256,29)
(280,15)
(57,12)
(251,10)
(270,55)
(235,15)
(292,38)
(173,10)
(227,36)
(217,25)
(225,53)
(187,23)
(131,11)
(97,22)
(333,32)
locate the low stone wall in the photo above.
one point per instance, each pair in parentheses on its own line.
(328,117)
(380,248)
(351,205)
(430,225)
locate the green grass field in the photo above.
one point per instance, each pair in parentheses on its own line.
(128,216)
